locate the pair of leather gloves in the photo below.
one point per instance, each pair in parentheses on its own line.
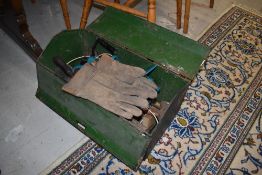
(117,87)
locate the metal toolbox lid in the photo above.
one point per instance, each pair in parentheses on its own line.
(168,49)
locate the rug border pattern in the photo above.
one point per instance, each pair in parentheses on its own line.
(224,24)
(232,154)
(76,156)
(205,39)
(219,138)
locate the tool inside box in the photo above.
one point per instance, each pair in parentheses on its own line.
(169,83)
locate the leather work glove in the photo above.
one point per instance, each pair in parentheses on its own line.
(138,88)
(123,72)
(110,93)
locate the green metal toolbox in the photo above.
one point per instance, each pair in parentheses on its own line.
(138,43)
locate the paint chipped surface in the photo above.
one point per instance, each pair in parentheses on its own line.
(180,68)
(14,134)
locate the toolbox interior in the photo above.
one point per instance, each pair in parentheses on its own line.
(69,46)
(75,43)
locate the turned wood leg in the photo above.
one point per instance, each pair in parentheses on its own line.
(130,3)
(186,16)
(64,7)
(179,13)
(211,5)
(20,16)
(151,16)
(122,8)
(85,13)
(13,22)
(18,7)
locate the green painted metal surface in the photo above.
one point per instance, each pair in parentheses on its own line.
(103,127)
(115,134)
(171,50)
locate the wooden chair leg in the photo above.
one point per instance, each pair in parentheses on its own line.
(17,6)
(179,13)
(117,1)
(85,13)
(211,5)
(64,7)
(122,7)
(186,16)
(15,24)
(129,3)
(151,16)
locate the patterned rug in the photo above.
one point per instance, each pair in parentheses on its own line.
(218,128)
